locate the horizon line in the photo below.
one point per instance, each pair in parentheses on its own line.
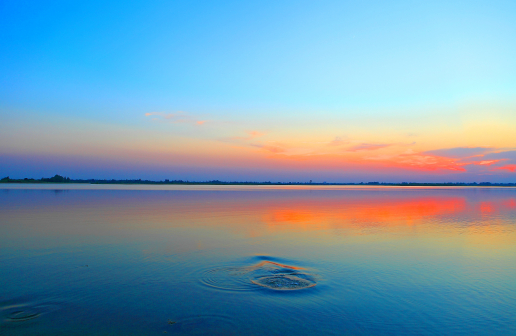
(61,179)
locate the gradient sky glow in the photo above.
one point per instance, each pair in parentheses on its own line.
(342,91)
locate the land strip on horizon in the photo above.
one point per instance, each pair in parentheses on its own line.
(61,179)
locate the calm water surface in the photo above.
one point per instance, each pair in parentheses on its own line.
(111,260)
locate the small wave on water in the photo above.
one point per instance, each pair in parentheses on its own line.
(21,311)
(264,272)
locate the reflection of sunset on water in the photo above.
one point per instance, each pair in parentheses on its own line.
(368,212)
(486,207)
(345,246)
(511,203)
(261,213)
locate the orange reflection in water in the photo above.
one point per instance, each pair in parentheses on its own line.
(486,207)
(255,214)
(511,203)
(307,214)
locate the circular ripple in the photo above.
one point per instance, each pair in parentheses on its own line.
(17,312)
(269,274)
(227,278)
(22,315)
(283,282)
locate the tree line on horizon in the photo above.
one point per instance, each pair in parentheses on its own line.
(55,179)
(61,179)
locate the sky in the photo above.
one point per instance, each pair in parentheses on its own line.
(335,91)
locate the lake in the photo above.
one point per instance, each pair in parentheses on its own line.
(243,260)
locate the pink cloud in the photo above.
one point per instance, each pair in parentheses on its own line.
(511,168)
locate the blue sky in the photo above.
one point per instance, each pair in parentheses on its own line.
(285,69)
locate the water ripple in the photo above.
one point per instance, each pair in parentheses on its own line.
(262,274)
(18,311)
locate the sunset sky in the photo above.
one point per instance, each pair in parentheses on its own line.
(336,91)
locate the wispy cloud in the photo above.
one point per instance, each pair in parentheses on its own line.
(367,147)
(271,148)
(177,117)
(460,152)
(488,162)
(485,159)
(511,168)
(419,160)
(287,150)
(478,156)
(501,154)
(239,139)
(338,141)
(428,162)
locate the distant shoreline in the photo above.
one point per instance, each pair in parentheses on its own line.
(65,180)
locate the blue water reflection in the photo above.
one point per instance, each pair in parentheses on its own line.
(370,261)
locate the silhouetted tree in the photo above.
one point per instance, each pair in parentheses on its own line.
(57,178)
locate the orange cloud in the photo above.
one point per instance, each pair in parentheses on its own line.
(488,162)
(426,162)
(419,161)
(270,148)
(254,134)
(511,168)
